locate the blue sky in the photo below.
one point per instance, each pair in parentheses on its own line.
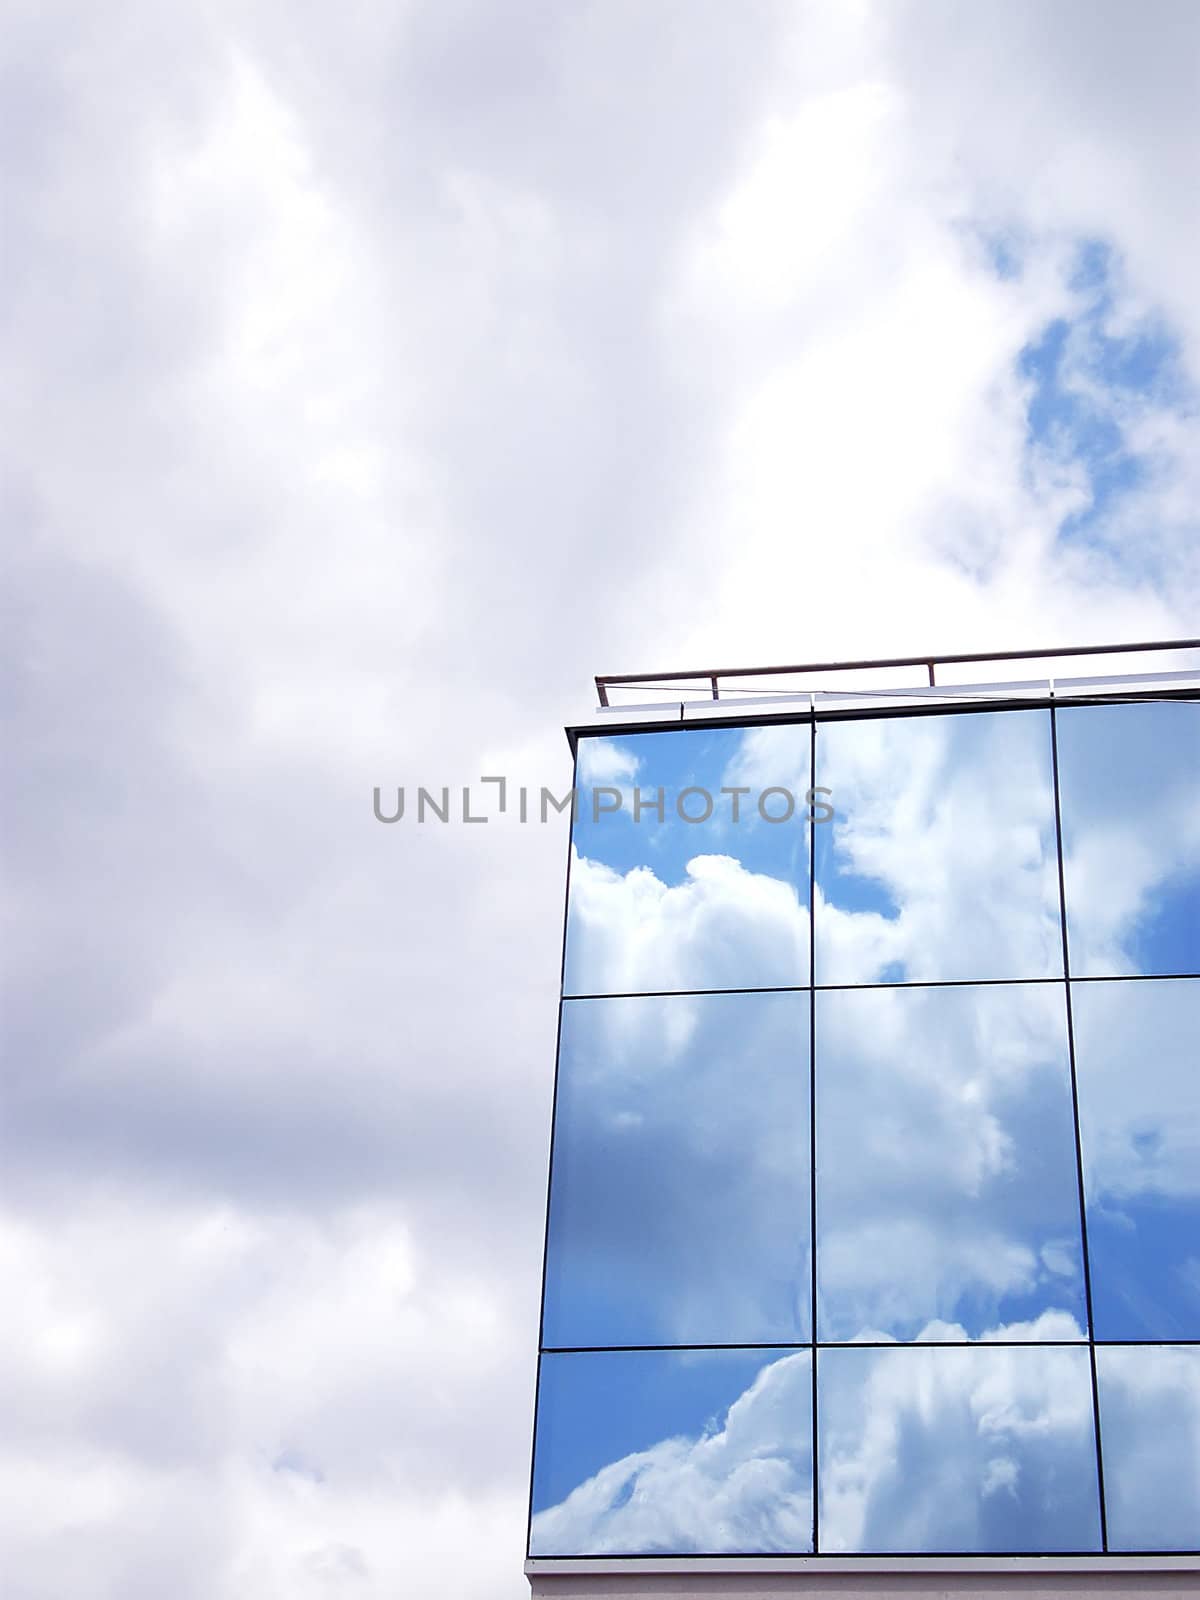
(1136,1060)
(371,379)
(1128,771)
(602,1407)
(704,759)
(1092,376)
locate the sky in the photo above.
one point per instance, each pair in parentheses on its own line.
(371,379)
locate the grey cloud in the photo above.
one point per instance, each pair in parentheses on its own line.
(259,566)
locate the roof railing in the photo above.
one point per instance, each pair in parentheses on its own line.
(714,676)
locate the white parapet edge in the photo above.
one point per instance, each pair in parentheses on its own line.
(700,1566)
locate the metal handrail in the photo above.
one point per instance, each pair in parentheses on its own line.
(714,675)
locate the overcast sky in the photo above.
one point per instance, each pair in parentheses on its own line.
(372,376)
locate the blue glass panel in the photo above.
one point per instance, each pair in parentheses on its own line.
(1137,1059)
(947,1185)
(679,1208)
(941,861)
(938,1450)
(672,1453)
(658,902)
(1150,1425)
(1129,778)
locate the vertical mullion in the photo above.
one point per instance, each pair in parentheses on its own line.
(812,1112)
(562,984)
(1083,1234)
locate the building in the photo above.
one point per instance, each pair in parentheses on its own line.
(873,1238)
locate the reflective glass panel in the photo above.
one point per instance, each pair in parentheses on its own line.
(941,860)
(661,902)
(1150,1425)
(937,1450)
(672,1453)
(679,1208)
(1137,1060)
(1129,780)
(947,1186)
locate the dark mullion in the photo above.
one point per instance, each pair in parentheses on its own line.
(660,1349)
(812,1120)
(993,983)
(1083,1234)
(874,1344)
(562,980)
(948,1558)
(905,983)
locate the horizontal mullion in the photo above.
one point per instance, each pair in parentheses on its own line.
(1103,1560)
(905,983)
(875,1344)
(666,994)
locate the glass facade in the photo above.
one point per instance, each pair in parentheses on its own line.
(874,1211)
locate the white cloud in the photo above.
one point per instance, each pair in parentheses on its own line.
(924,1449)
(259,1400)
(980,1449)
(721,927)
(605,761)
(946,1157)
(954,818)
(370,382)
(747,1486)
(669,1227)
